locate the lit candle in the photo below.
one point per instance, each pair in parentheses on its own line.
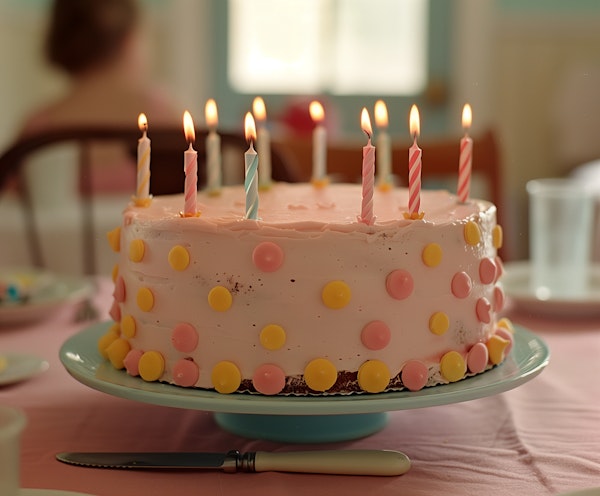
(190,165)
(414,167)
(466,157)
(251,163)
(213,149)
(142,194)
(368,171)
(319,172)
(263,143)
(384,149)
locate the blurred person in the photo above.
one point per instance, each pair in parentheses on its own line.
(99,45)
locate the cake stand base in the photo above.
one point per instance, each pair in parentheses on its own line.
(302,428)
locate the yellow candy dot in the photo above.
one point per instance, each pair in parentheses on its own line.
(506,324)
(432,255)
(145,299)
(151,366)
(439,323)
(373,376)
(497,236)
(179,258)
(136,250)
(220,299)
(472,233)
(453,366)
(114,239)
(226,377)
(320,374)
(115,272)
(116,352)
(272,337)
(336,294)
(128,326)
(106,340)
(496,347)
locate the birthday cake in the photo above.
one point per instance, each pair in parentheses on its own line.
(307,299)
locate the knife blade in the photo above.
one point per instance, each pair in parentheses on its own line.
(339,462)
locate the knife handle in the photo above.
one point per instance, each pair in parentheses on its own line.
(339,462)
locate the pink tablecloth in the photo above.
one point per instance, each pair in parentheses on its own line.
(541,438)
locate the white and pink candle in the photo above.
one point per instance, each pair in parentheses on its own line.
(319,171)
(190,165)
(368,171)
(466,157)
(142,193)
(414,165)
(251,169)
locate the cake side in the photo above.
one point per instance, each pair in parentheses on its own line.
(307,300)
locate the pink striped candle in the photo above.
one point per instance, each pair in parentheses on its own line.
(142,193)
(466,157)
(190,164)
(414,165)
(251,169)
(368,172)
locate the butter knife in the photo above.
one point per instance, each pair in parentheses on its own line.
(341,462)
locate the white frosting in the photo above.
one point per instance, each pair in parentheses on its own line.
(322,241)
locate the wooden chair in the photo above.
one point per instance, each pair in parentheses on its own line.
(167,174)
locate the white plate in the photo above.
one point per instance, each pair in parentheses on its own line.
(50,292)
(50,492)
(79,354)
(20,367)
(516,284)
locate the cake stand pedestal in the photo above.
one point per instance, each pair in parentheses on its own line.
(299,419)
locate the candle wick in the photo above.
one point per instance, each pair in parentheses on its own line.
(190,148)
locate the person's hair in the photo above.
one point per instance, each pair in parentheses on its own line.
(85,33)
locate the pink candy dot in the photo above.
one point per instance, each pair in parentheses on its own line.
(461,285)
(119,292)
(267,256)
(132,361)
(185,373)
(115,311)
(477,358)
(376,335)
(504,334)
(487,271)
(498,299)
(268,379)
(184,337)
(399,284)
(414,375)
(484,310)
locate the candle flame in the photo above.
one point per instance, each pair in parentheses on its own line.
(365,122)
(381,114)
(188,127)
(467,116)
(211,114)
(414,123)
(317,114)
(143,122)
(259,109)
(249,128)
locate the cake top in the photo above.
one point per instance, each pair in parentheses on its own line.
(303,207)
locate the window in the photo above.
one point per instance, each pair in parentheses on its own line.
(341,47)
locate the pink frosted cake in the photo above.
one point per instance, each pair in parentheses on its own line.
(307,300)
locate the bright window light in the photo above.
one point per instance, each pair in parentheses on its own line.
(342,47)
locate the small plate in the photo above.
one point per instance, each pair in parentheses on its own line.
(48,293)
(516,283)
(16,367)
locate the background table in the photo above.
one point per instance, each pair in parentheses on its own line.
(541,438)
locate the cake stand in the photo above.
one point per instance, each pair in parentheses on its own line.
(299,419)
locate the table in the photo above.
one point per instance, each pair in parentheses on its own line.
(541,438)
